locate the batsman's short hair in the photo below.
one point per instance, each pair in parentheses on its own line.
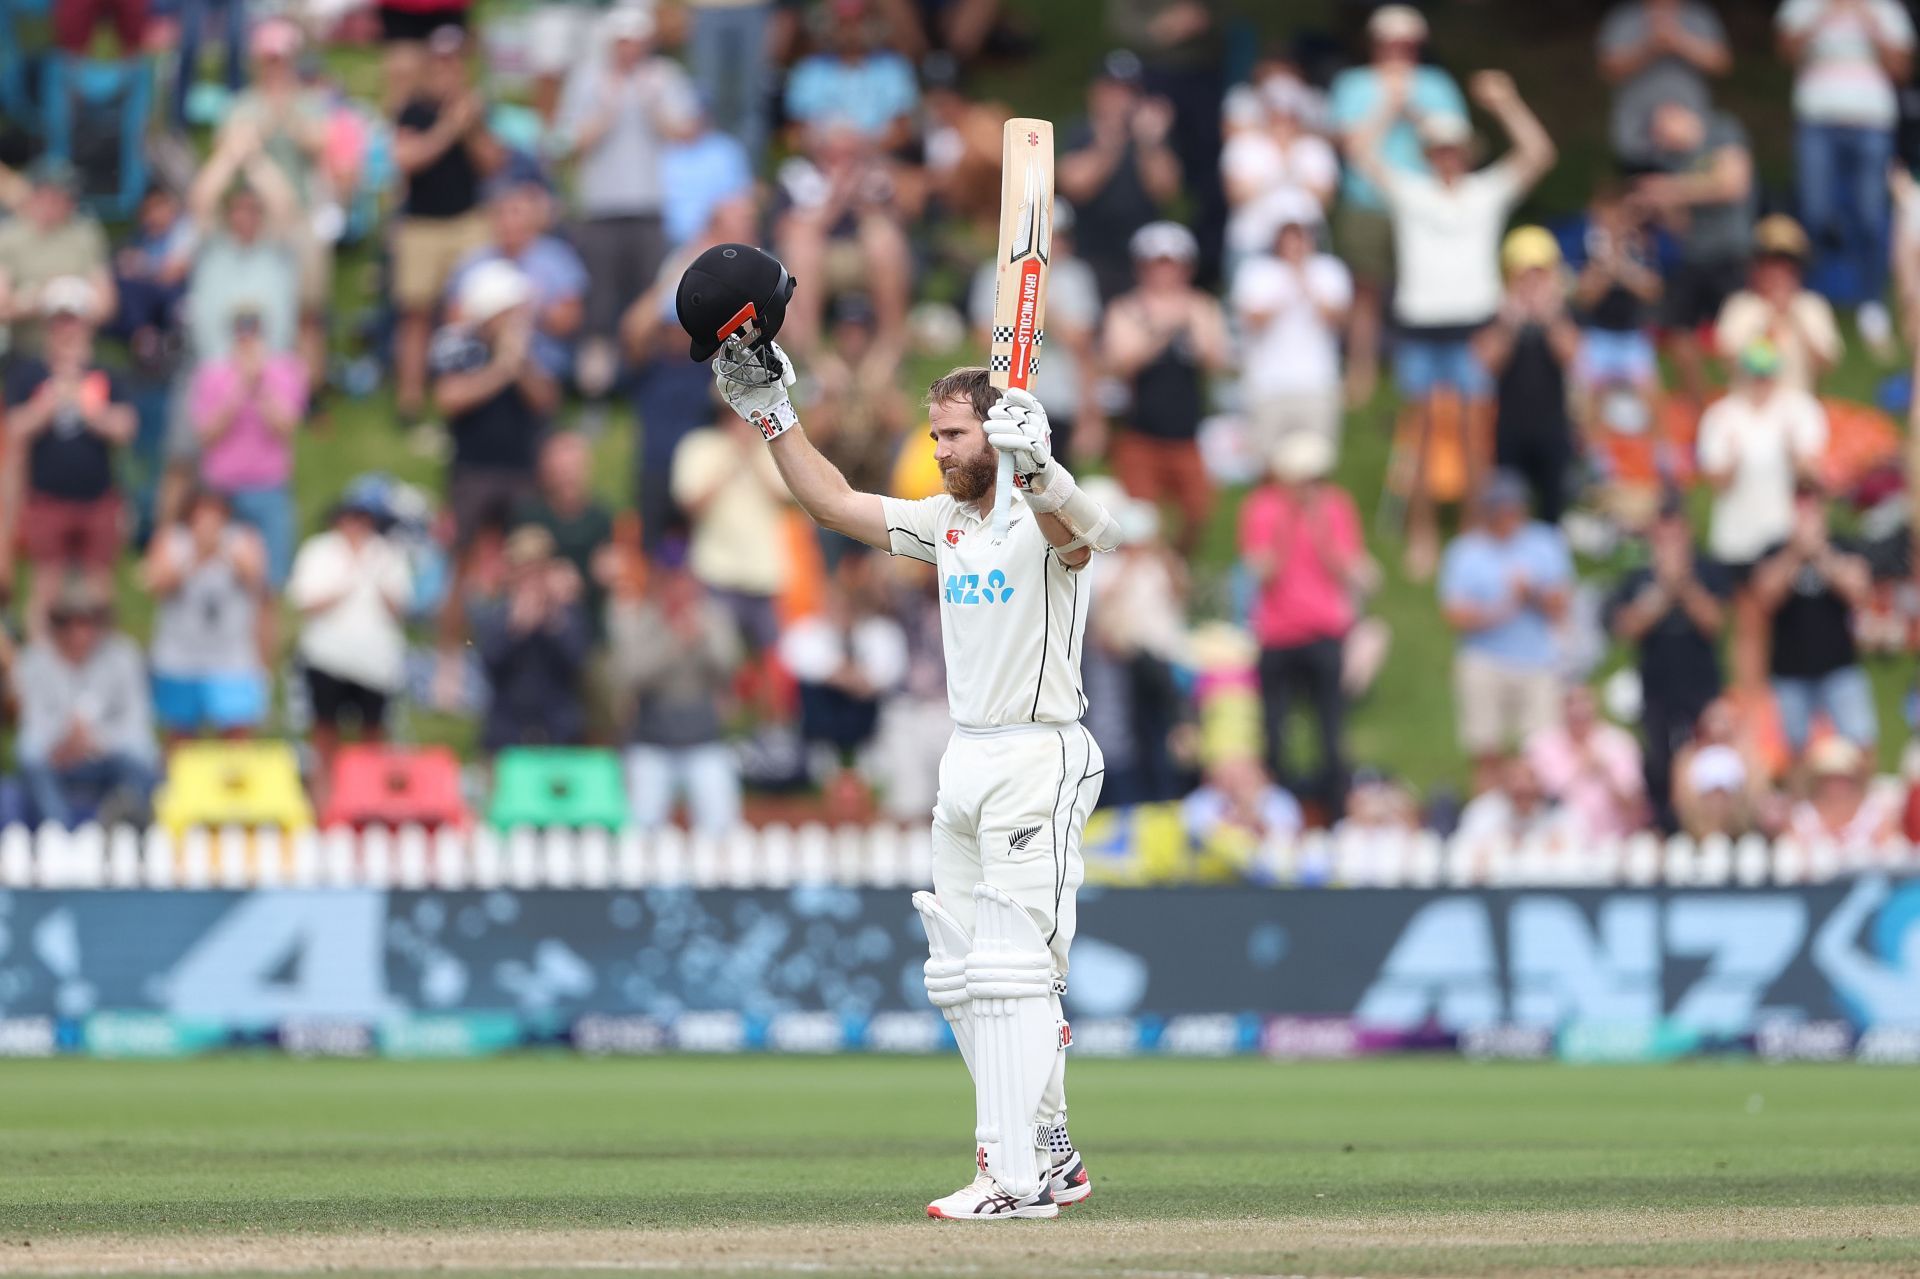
(970,383)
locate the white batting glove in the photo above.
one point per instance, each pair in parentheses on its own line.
(1017,426)
(754,391)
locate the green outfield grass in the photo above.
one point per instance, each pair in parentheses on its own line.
(1386,1167)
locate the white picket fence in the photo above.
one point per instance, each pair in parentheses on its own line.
(877,856)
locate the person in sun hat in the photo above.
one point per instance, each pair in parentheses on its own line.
(350,586)
(1842,804)
(1776,305)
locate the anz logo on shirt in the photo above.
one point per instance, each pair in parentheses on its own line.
(966,588)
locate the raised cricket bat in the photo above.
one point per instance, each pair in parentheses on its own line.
(1020,274)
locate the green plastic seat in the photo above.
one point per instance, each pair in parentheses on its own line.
(557,786)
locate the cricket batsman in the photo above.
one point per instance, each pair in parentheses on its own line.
(1020,774)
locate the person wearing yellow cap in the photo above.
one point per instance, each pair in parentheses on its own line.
(1529,349)
(1776,305)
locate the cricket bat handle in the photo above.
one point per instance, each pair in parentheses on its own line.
(1002,496)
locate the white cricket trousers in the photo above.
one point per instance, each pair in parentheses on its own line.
(1011,809)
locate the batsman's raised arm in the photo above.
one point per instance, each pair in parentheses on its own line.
(759,395)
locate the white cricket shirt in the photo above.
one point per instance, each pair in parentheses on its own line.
(1012,616)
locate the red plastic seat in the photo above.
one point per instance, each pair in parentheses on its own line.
(395,786)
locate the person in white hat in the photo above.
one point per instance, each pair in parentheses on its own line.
(1393,72)
(1842,805)
(1162,340)
(496,396)
(1447,226)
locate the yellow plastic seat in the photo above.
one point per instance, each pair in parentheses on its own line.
(247,784)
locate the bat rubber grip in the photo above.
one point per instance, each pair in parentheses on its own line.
(1002,496)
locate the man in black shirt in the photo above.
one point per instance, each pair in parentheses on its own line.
(1672,610)
(1810,586)
(534,643)
(442,145)
(580,523)
(1117,168)
(1163,340)
(65,416)
(496,397)
(1529,349)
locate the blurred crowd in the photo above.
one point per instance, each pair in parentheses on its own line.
(1611,451)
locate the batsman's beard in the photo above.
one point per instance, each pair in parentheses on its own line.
(971,480)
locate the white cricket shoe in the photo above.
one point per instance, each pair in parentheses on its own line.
(1069,1181)
(983,1200)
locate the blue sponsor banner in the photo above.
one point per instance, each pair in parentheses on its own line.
(1818,973)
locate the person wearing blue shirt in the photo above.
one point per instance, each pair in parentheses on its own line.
(855,83)
(1361,226)
(703,171)
(1504,588)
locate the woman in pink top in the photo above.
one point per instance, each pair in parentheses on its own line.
(245,409)
(1300,539)
(1592,767)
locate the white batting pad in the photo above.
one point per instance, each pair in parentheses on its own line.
(1016,1037)
(946,970)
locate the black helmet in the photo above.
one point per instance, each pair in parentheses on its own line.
(729,288)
